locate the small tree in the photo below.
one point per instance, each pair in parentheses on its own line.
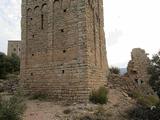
(13,63)
(154,70)
(3,66)
(115,70)
(8,64)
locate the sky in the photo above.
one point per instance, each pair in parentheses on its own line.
(128,24)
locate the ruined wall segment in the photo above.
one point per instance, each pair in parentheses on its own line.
(63,48)
(138,66)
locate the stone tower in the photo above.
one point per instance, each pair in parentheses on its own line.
(63,48)
(14,47)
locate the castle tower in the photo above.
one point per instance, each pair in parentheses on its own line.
(63,48)
(14,47)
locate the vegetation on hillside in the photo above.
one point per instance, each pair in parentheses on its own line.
(12,108)
(148,107)
(8,64)
(145,113)
(145,100)
(154,70)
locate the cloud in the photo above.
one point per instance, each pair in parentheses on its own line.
(128,24)
(139,22)
(10,14)
(114,36)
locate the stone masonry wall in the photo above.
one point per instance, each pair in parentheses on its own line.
(63,48)
(14,47)
(138,71)
(138,66)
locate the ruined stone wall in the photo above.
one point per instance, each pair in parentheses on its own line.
(14,47)
(138,66)
(63,48)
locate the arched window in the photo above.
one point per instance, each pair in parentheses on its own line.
(36,18)
(36,9)
(29,14)
(56,1)
(44,14)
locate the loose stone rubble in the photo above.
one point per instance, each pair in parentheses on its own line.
(10,85)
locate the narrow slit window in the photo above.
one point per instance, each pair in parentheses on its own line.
(65,10)
(62,30)
(42,21)
(64,51)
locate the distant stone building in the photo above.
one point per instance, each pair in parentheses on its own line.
(14,47)
(63,48)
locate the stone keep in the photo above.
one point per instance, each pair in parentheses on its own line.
(63,48)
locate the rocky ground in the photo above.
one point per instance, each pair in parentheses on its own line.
(10,84)
(118,104)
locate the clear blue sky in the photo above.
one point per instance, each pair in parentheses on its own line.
(128,24)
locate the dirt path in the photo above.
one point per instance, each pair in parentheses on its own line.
(37,110)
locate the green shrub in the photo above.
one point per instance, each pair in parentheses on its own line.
(145,100)
(9,64)
(3,71)
(100,114)
(149,100)
(148,107)
(154,71)
(136,94)
(12,109)
(115,70)
(99,96)
(144,113)
(39,96)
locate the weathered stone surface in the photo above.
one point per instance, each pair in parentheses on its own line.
(137,70)
(63,48)
(10,84)
(116,109)
(138,66)
(136,78)
(14,47)
(122,83)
